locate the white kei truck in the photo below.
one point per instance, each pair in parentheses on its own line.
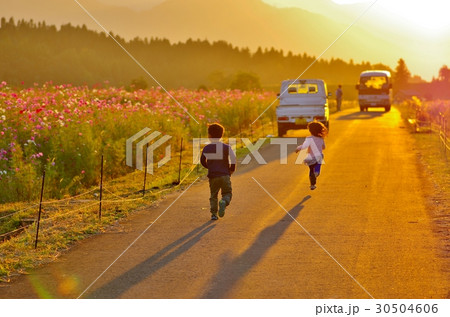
(375,89)
(300,102)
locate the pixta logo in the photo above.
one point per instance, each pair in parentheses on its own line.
(308,153)
(148,142)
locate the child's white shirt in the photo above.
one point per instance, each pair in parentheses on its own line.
(314,146)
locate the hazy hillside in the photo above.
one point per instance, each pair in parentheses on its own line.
(245,23)
(326,8)
(37,52)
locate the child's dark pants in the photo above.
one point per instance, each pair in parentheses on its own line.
(313,170)
(222,183)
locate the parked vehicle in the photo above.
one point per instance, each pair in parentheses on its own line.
(375,89)
(302,101)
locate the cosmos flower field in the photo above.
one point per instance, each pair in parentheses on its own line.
(64,130)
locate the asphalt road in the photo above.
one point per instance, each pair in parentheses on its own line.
(366,231)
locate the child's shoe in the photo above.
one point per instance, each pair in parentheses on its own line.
(222,206)
(312,187)
(214,217)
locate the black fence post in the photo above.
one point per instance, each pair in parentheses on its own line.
(442,132)
(181,156)
(40,210)
(199,157)
(101,192)
(445,136)
(262,127)
(145,170)
(240,133)
(273,126)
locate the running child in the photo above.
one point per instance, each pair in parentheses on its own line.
(220,161)
(314,145)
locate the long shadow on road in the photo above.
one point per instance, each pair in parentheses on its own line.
(367,115)
(232,271)
(140,272)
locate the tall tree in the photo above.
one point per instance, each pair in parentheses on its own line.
(401,75)
(444,74)
(245,81)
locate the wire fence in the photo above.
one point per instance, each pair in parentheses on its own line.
(86,205)
(53,207)
(89,203)
(424,120)
(440,129)
(443,131)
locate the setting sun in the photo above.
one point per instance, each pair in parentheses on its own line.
(430,15)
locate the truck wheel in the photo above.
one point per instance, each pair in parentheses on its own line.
(387,108)
(361,108)
(281,130)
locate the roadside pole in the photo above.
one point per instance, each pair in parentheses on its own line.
(101,192)
(40,211)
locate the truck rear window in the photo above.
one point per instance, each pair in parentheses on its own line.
(374,82)
(303,89)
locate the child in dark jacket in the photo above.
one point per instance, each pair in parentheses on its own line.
(220,161)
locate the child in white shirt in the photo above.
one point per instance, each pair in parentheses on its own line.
(314,145)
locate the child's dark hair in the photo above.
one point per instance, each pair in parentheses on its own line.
(215,130)
(317,129)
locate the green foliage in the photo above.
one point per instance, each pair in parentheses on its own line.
(139,83)
(24,179)
(218,79)
(245,81)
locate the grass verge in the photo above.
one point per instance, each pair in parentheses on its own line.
(436,163)
(431,153)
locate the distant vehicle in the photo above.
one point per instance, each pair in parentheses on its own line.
(302,101)
(375,89)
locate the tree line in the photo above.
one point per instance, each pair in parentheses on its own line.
(33,52)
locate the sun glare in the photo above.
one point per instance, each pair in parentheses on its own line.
(431,15)
(349,1)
